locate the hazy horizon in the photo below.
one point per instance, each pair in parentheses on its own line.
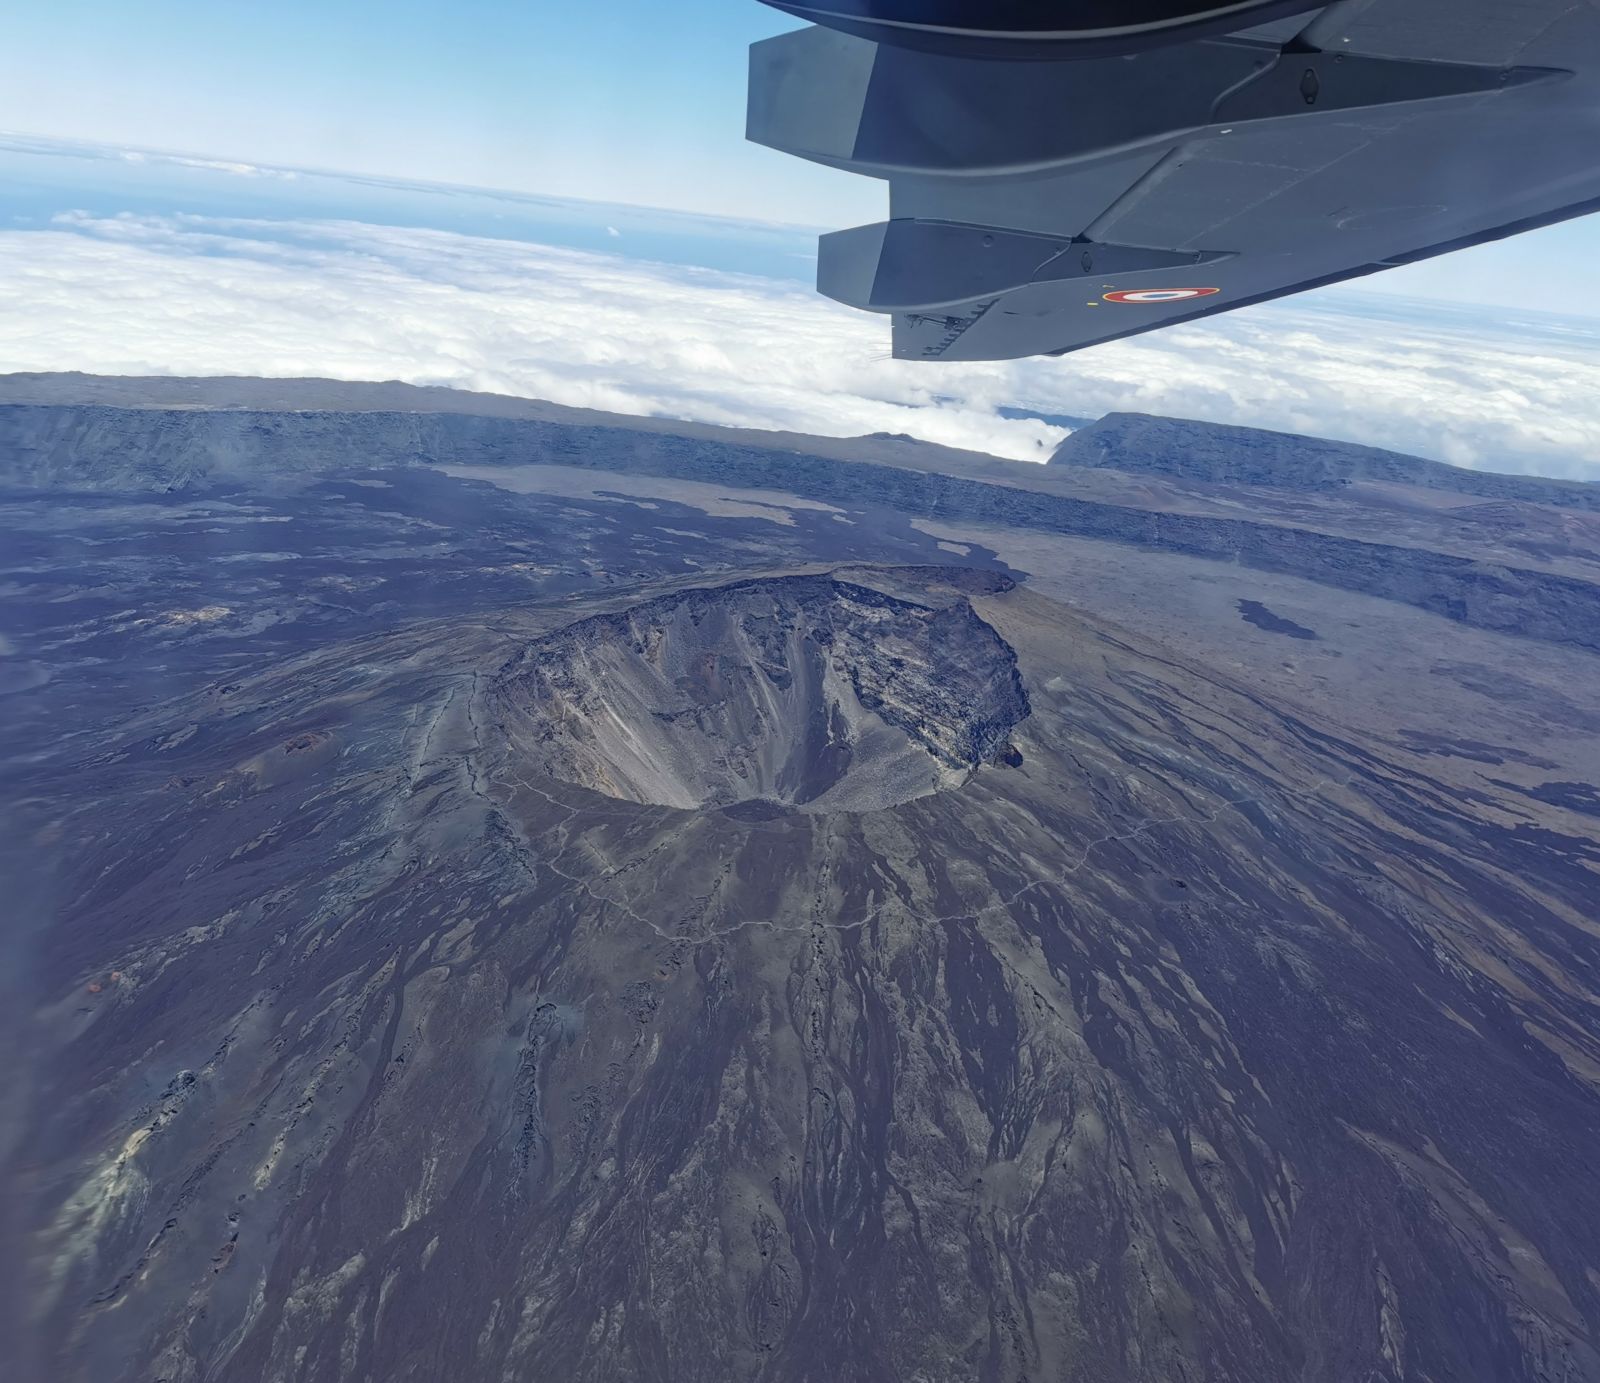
(274,271)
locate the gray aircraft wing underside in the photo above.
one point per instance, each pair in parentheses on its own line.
(1052,188)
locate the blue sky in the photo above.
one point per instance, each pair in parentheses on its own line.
(636,101)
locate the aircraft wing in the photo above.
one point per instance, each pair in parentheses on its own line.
(1067,172)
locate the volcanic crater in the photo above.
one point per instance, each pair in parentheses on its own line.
(811,692)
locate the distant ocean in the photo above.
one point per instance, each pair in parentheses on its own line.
(41,179)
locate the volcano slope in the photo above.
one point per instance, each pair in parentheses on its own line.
(832,968)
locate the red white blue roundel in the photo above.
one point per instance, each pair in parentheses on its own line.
(1157,296)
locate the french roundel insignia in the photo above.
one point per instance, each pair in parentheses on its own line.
(1159,295)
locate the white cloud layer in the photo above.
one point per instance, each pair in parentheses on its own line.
(191,295)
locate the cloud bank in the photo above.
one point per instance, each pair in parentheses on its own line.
(197,295)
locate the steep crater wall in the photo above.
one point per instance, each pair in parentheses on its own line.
(813,692)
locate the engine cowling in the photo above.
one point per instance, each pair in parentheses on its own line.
(1038,28)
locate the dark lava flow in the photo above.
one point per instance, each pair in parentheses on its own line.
(459,934)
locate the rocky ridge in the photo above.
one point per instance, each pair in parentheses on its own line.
(1217,453)
(97,447)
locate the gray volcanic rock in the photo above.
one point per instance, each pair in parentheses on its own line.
(810,691)
(461,931)
(1221,454)
(1204,1039)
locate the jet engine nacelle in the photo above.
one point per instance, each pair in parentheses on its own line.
(1038,28)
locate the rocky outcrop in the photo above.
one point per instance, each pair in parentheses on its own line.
(1220,454)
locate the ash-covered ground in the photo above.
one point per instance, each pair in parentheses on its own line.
(613,903)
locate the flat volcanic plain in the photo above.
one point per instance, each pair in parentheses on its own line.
(493,893)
